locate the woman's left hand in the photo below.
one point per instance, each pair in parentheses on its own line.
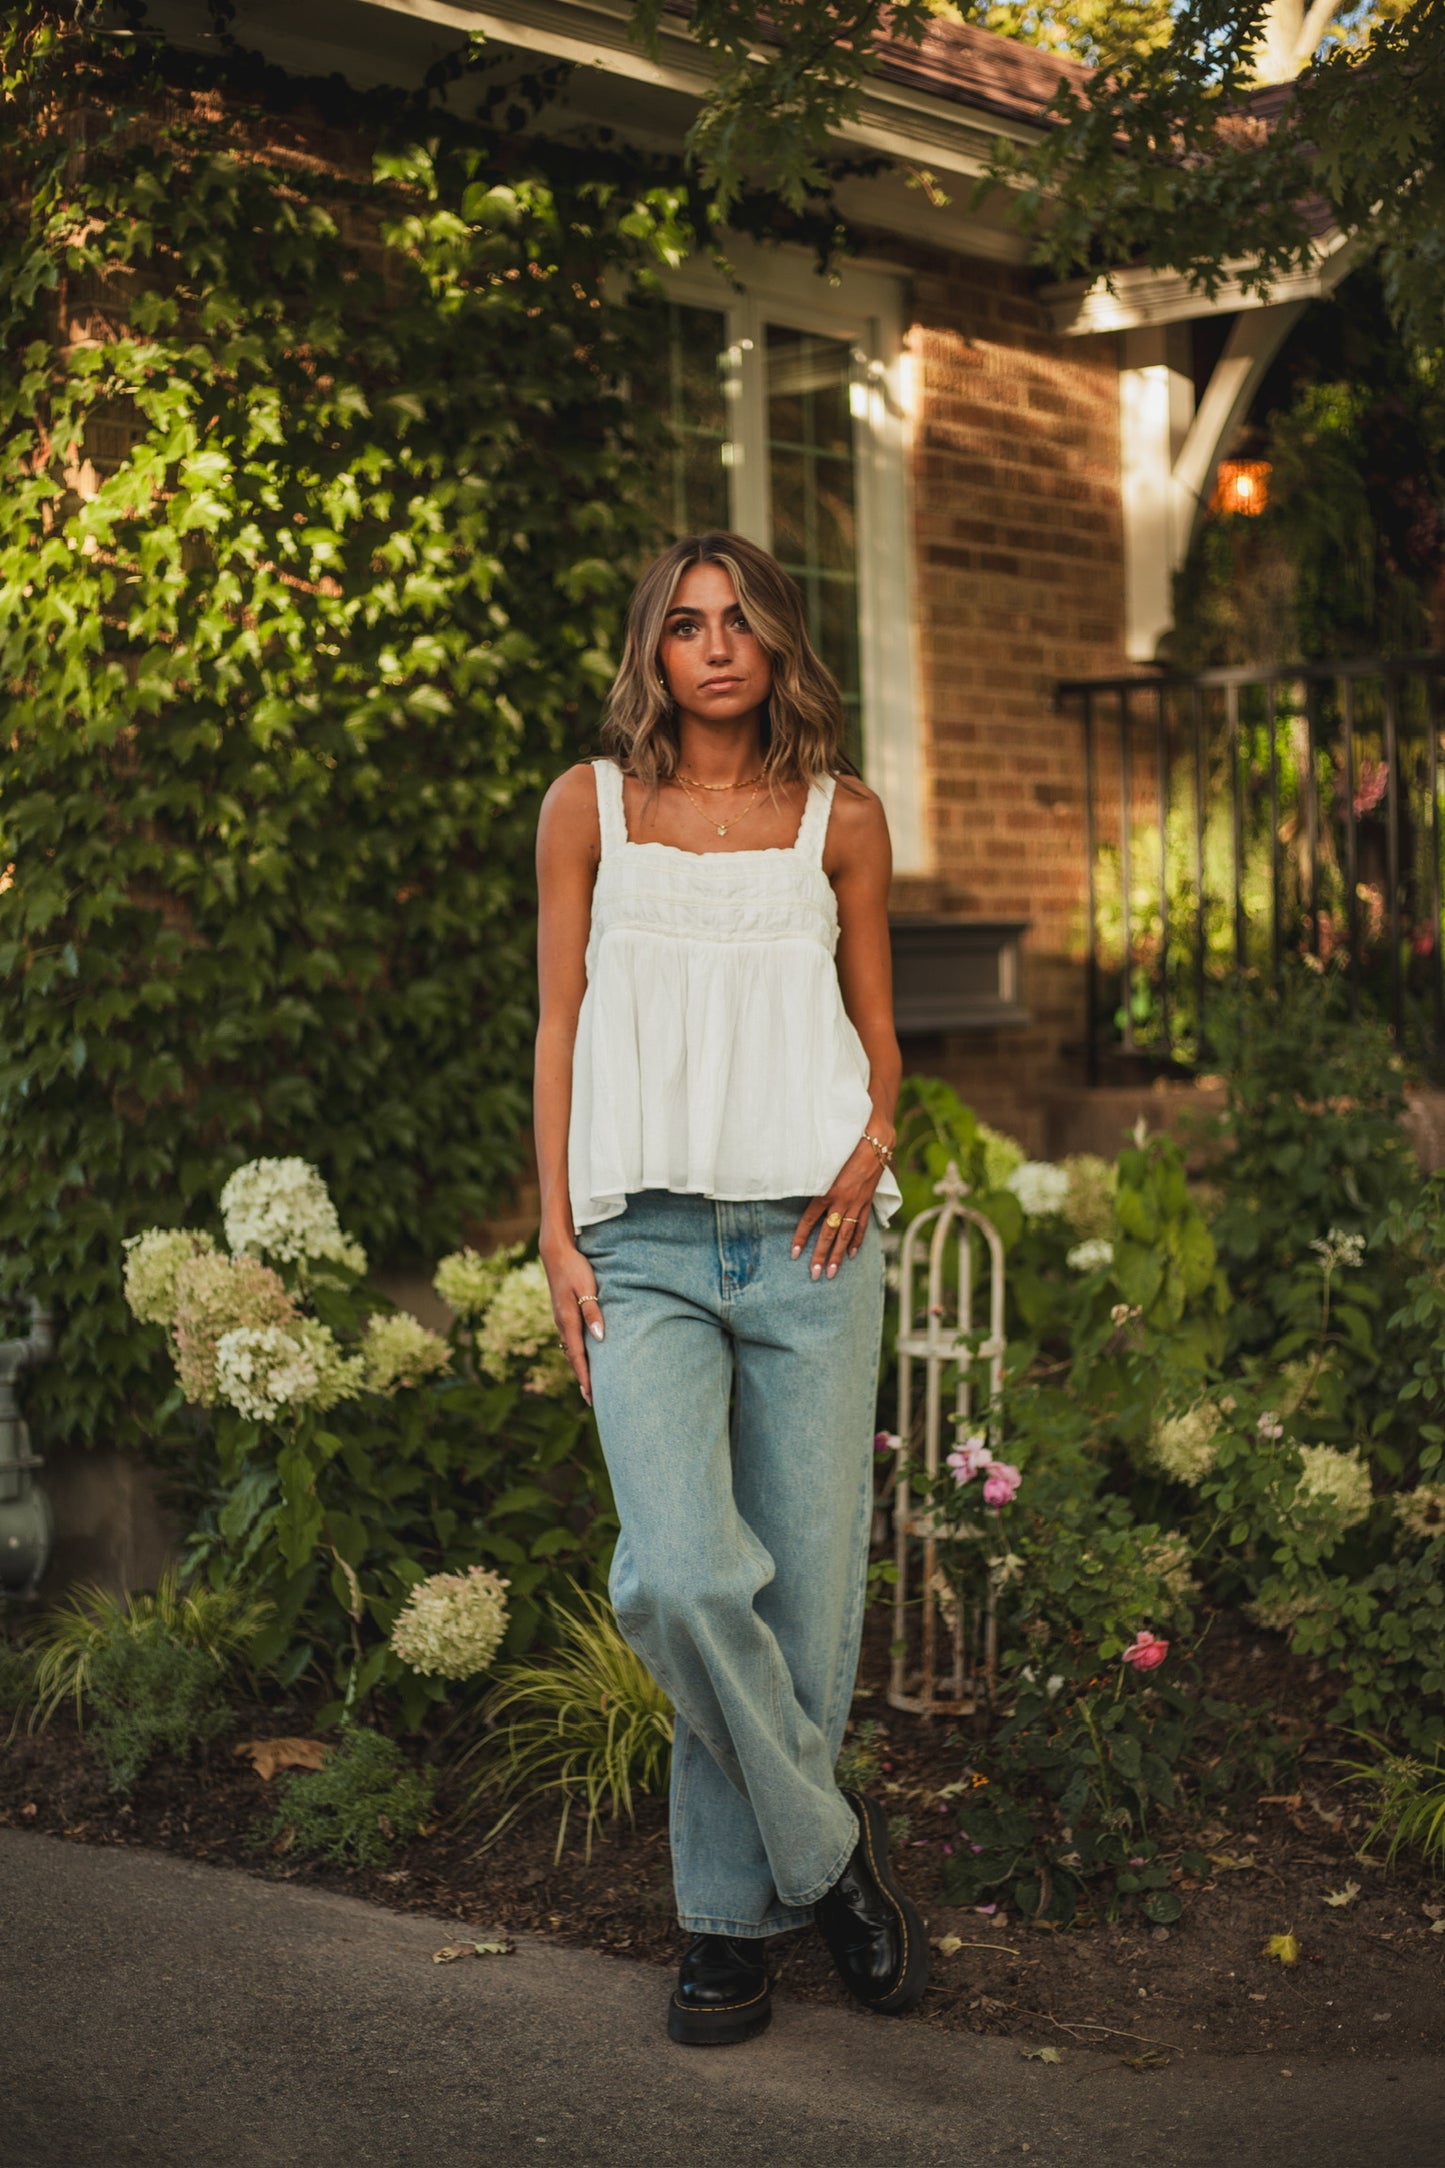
(850,1198)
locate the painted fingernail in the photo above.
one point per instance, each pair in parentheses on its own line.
(817,1272)
(797,1249)
(595,1328)
(831,1270)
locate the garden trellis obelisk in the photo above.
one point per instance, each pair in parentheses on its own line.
(924,1612)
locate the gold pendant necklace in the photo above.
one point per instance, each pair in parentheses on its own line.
(720,827)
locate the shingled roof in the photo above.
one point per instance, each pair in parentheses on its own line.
(978,68)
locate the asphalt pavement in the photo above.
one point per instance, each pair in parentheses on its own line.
(155,2013)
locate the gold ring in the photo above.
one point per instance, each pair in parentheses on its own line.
(850,1219)
(587,1298)
(834,1219)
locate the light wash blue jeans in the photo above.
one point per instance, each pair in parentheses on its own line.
(735,1400)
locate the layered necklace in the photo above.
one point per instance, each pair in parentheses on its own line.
(751,782)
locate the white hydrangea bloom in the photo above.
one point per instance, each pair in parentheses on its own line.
(452,1623)
(264,1372)
(399,1350)
(281,1208)
(1091,1256)
(1041,1188)
(153,1262)
(1336,1485)
(1169,1560)
(1001,1156)
(519,1326)
(1421,1511)
(467,1281)
(1183,1445)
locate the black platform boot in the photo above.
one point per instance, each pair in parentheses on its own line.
(723,1992)
(873,1931)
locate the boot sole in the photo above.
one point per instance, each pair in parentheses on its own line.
(719,2028)
(908,1989)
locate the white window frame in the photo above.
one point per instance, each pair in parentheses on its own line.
(865,308)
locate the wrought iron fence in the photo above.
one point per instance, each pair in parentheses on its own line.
(1236,816)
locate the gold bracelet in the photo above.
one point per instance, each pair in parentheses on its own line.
(884,1151)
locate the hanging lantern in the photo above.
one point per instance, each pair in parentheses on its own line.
(1241,486)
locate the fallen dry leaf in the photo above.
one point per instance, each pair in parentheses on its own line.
(949,1945)
(1345,1896)
(1147,2059)
(1232,1862)
(1041,2055)
(451,1951)
(269,1755)
(1283,1948)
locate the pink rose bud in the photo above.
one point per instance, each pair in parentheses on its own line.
(884,1441)
(967,1459)
(1000,1484)
(1146,1651)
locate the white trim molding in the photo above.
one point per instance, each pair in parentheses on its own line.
(1133,299)
(1168,450)
(865,308)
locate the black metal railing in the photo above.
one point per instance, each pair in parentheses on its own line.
(1235,816)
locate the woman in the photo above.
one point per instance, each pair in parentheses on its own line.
(714,1125)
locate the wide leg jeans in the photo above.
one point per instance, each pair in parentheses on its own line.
(735,1400)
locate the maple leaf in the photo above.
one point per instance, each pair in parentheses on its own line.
(269,1755)
(1345,1896)
(1283,1948)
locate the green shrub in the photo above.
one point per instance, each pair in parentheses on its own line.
(220,1623)
(150,1696)
(17,1675)
(357,1807)
(1407,1797)
(350,1453)
(587,1725)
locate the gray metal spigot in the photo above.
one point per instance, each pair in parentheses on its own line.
(26,1527)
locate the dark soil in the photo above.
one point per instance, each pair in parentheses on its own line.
(1367,1981)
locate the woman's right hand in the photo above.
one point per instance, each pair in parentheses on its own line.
(575,1306)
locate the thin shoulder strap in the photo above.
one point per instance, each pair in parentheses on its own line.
(611,818)
(813,828)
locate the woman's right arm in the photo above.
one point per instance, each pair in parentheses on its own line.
(569,849)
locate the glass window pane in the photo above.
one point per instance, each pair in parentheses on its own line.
(682,380)
(813,470)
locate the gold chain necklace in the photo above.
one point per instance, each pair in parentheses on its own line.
(721,827)
(746,783)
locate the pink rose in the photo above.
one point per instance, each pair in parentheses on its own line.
(887,1441)
(967,1459)
(1000,1484)
(1146,1651)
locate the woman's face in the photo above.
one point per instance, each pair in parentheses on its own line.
(716,668)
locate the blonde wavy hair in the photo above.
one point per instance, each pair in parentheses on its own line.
(803,716)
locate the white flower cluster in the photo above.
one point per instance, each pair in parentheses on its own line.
(1334,1486)
(1421,1512)
(1041,1188)
(468,1282)
(1091,1256)
(1001,1156)
(452,1623)
(1169,1560)
(281,1208)
(262,1371)
(153,1262)
(399,1350)
(519,1327)
(1338,1249)
(1183,1445)
(1093,1186)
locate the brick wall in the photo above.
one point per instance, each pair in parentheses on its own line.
(1019,582)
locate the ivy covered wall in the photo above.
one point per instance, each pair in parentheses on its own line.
(317,502)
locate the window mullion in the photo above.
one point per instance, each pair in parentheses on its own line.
(751,482)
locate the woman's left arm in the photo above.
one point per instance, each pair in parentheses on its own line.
(859,862)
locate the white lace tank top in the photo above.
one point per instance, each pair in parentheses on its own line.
(714,1054)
